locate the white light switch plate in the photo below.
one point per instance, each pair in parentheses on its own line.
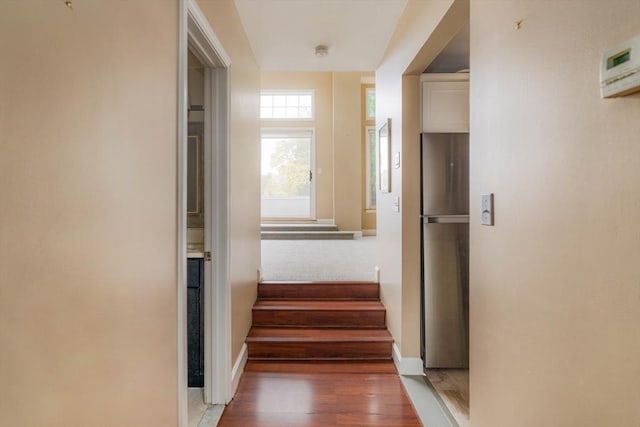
(487,208)
(396,204)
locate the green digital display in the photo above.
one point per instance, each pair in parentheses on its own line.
(618,59)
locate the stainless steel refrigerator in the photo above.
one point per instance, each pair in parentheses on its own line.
(445,250)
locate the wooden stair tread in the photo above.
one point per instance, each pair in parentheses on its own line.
(307,235)
(264,334)
(343,290)
(299,227)
(318,305)
(319,282)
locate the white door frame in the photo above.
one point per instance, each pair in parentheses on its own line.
(195,34)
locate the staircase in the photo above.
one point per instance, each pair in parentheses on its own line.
(304,231)
(319,321)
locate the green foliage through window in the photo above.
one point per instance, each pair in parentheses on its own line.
(371,168)
(286,167)
(371,103)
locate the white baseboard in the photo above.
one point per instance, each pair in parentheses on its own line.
(357,234)
(369,232)
(238,369)
(407,365)
(326,221)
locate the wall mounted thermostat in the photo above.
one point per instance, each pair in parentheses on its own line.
(620,69)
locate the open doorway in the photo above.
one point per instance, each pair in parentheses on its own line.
(445,175)
(195,237)
(204,339)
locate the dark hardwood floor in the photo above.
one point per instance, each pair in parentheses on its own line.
(308,394)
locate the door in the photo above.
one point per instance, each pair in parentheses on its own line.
(195,322)
(287,188)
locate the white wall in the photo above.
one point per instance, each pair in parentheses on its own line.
(555,288)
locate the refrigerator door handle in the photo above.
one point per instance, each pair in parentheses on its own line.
(445,219)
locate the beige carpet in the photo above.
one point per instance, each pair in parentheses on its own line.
(319,259)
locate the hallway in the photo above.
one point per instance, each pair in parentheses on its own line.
(317,392)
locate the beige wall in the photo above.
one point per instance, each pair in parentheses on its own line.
(347,139)
(410,214)
(88,214)
(555,284)
(398,247)
(321,83)
(244,165)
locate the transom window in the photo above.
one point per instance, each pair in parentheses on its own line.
(287,104)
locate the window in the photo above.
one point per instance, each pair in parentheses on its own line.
(371,167)
(370,142)
(287,104)
(286,169)
(370,100)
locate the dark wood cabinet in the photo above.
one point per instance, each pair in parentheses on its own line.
(195,322)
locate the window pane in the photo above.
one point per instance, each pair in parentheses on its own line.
(305,112)
(305,101)
(279,113)
(286,189)
(292,112)
(371,171)
(279,100)
(292,101)
(371,104)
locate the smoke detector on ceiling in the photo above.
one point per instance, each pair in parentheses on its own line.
(322,50)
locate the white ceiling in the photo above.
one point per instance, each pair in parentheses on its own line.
(284,33)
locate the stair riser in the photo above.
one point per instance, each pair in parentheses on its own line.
(321,350)
(299,228)
(319,291)
(323,318)
(306,235)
